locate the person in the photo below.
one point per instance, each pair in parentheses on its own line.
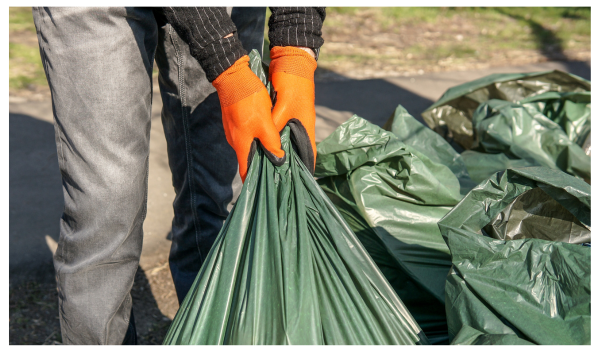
(216,113)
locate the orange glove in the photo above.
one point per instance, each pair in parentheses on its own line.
(246,108)
(292,72)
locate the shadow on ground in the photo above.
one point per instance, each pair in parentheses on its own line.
(35,198)
(337,98)
(371,99)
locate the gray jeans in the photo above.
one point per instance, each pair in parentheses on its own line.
(98,63)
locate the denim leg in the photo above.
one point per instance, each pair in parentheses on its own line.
(250,24)
(98,62)
(203,164)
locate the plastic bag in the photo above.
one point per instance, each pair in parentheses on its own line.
(469,336)
(392,188)
(451,115)
(287,269)
(518,266)
(534,119)
(521,132)
(570,110)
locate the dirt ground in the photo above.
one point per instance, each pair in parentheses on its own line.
(362,46)
(33,309)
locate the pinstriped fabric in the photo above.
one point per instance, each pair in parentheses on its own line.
(206,25)
(203,29)
(298,26)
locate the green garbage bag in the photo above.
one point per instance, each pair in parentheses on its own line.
(392,189)
(524,133)
(469,336)
(535,119)
(519,264)
(287,269)
(423,139)
(470,167)
(481,166)
(451,116)
(570,110)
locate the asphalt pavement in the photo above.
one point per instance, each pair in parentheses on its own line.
(35,189)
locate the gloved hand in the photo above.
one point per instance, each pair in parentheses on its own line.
(246,108)
(292,72)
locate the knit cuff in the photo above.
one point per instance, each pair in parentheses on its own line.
(296,26)
(204,29)
(218,56)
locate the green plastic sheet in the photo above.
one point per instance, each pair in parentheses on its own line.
(570,110)
(469,336)
(451,115)
(535,119)
(523,133)
(392,188)
(287,269)
(511,285)
(483,165)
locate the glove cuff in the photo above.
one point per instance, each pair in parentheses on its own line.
(237,82)
(292,60)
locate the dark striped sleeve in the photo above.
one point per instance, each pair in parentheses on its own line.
(203,29)
(296,26)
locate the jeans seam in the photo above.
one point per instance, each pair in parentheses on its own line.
(181,82)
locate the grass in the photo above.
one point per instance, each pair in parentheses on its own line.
(492,29)
(454,36)
(20,19)
(432,14)
(444,50)
(25,64)
(528,25)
